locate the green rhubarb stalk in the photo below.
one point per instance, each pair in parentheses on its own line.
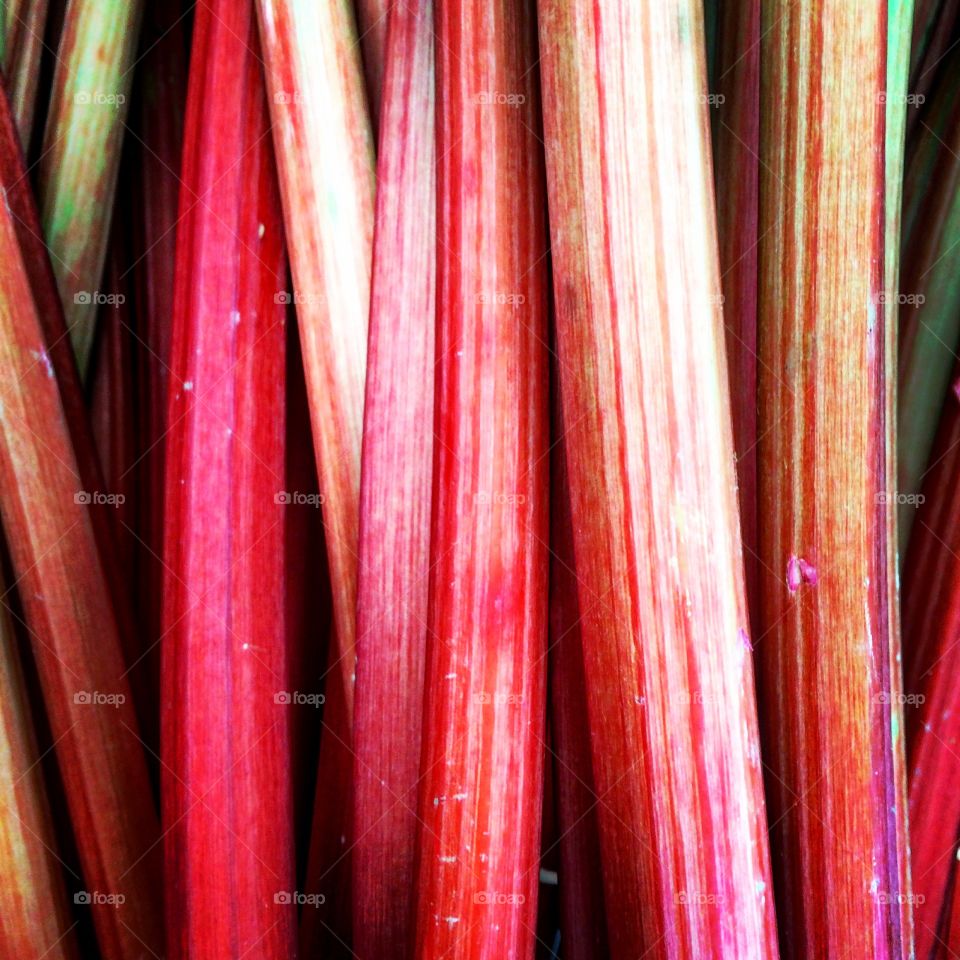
(81,152)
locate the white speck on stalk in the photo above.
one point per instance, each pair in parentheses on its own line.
(42,356)
(187,385)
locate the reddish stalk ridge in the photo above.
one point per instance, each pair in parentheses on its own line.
(653,496)
(47,464)
(830,672)
(34,916)
(482,785)
(227,811)
(324,150)
(395,496)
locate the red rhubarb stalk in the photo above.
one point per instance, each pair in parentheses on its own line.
(830,649)
(227,810)
(481,791)
(65,581)
(325,154)
(644,387)
(395,496)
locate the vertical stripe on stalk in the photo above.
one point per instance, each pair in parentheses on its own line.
(395,495)
(830,649)
(34,917)
(227,811)
(324,149)
(81,151)
(481,792)
(644,386)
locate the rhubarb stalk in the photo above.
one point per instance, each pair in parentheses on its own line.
(325,154)
(395,495)
(227,810)
(54,529)
(481,791)
(830,649)
(665,629)
(81,152)
(34,917)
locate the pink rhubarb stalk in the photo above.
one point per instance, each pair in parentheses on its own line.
(395,496)
(227,798)
(481,792)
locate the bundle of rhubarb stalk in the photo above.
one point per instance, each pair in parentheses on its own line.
(479,479)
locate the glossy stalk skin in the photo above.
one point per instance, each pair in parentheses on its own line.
(34,917)
(931,627)
(81,152)
(227,793)
(59,543)
(324,149)
(482,768)
(830,653)
(735,114)
(25,23)
(643,378)
(396,485)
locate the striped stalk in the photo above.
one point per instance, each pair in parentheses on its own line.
(395,497)
(830,654)
(227,794)
(34,917)
(653,495)
(325,155)
(81,152)
(482,767)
